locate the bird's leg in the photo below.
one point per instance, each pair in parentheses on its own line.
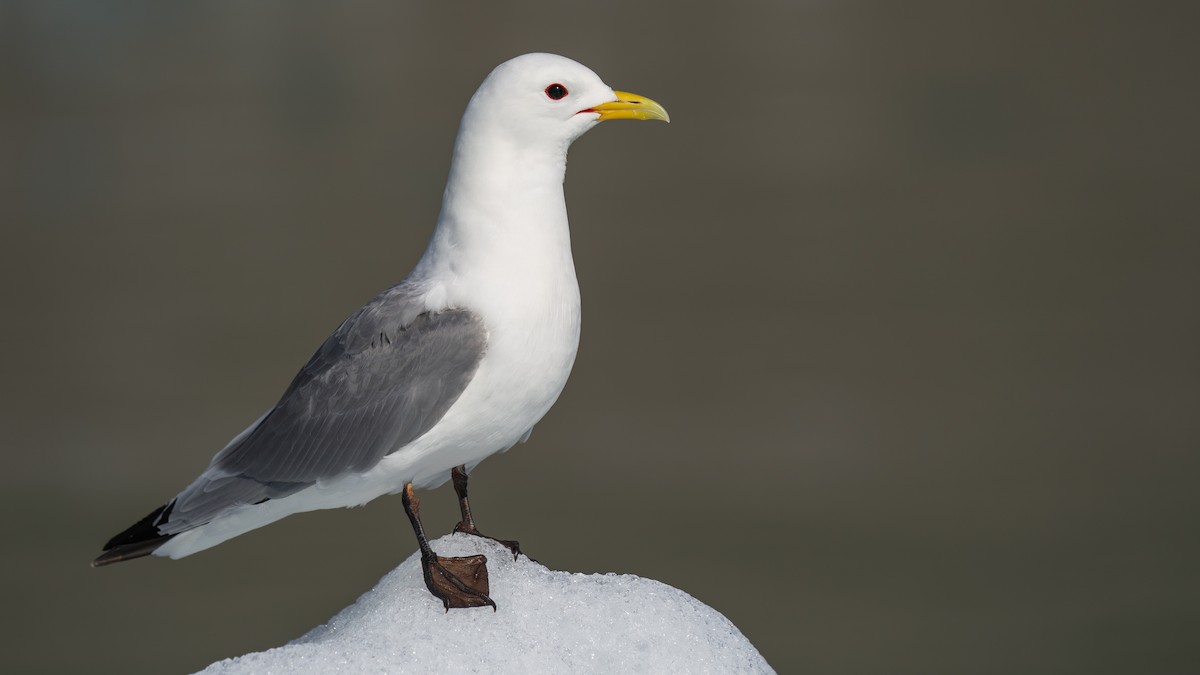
(457,582)
(459,475)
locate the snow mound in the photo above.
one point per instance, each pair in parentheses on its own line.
(547,622)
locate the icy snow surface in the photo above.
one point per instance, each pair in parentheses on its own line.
(547,622)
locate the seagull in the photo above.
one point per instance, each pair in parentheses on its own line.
(453,364)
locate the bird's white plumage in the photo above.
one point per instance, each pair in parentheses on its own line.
(501,249)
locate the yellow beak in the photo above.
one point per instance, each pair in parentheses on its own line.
(630,107)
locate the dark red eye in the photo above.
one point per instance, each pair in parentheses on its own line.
(556,91)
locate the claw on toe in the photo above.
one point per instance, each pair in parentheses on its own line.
(459,582)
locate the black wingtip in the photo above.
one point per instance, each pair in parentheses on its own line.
(118,554)
(139,540)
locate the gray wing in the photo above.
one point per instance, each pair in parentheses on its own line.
(384,378)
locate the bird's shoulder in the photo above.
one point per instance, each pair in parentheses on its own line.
(395,324)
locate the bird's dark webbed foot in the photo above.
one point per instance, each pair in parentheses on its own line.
(467,525)
(458,582)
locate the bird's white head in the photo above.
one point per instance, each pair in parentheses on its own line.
(547,101)
(505,189)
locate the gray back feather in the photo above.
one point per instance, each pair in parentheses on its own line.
(386,376)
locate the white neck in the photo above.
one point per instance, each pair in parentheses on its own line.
(503,222)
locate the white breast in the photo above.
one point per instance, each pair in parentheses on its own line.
(529,301)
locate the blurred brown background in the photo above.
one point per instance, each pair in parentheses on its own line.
(890,338)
